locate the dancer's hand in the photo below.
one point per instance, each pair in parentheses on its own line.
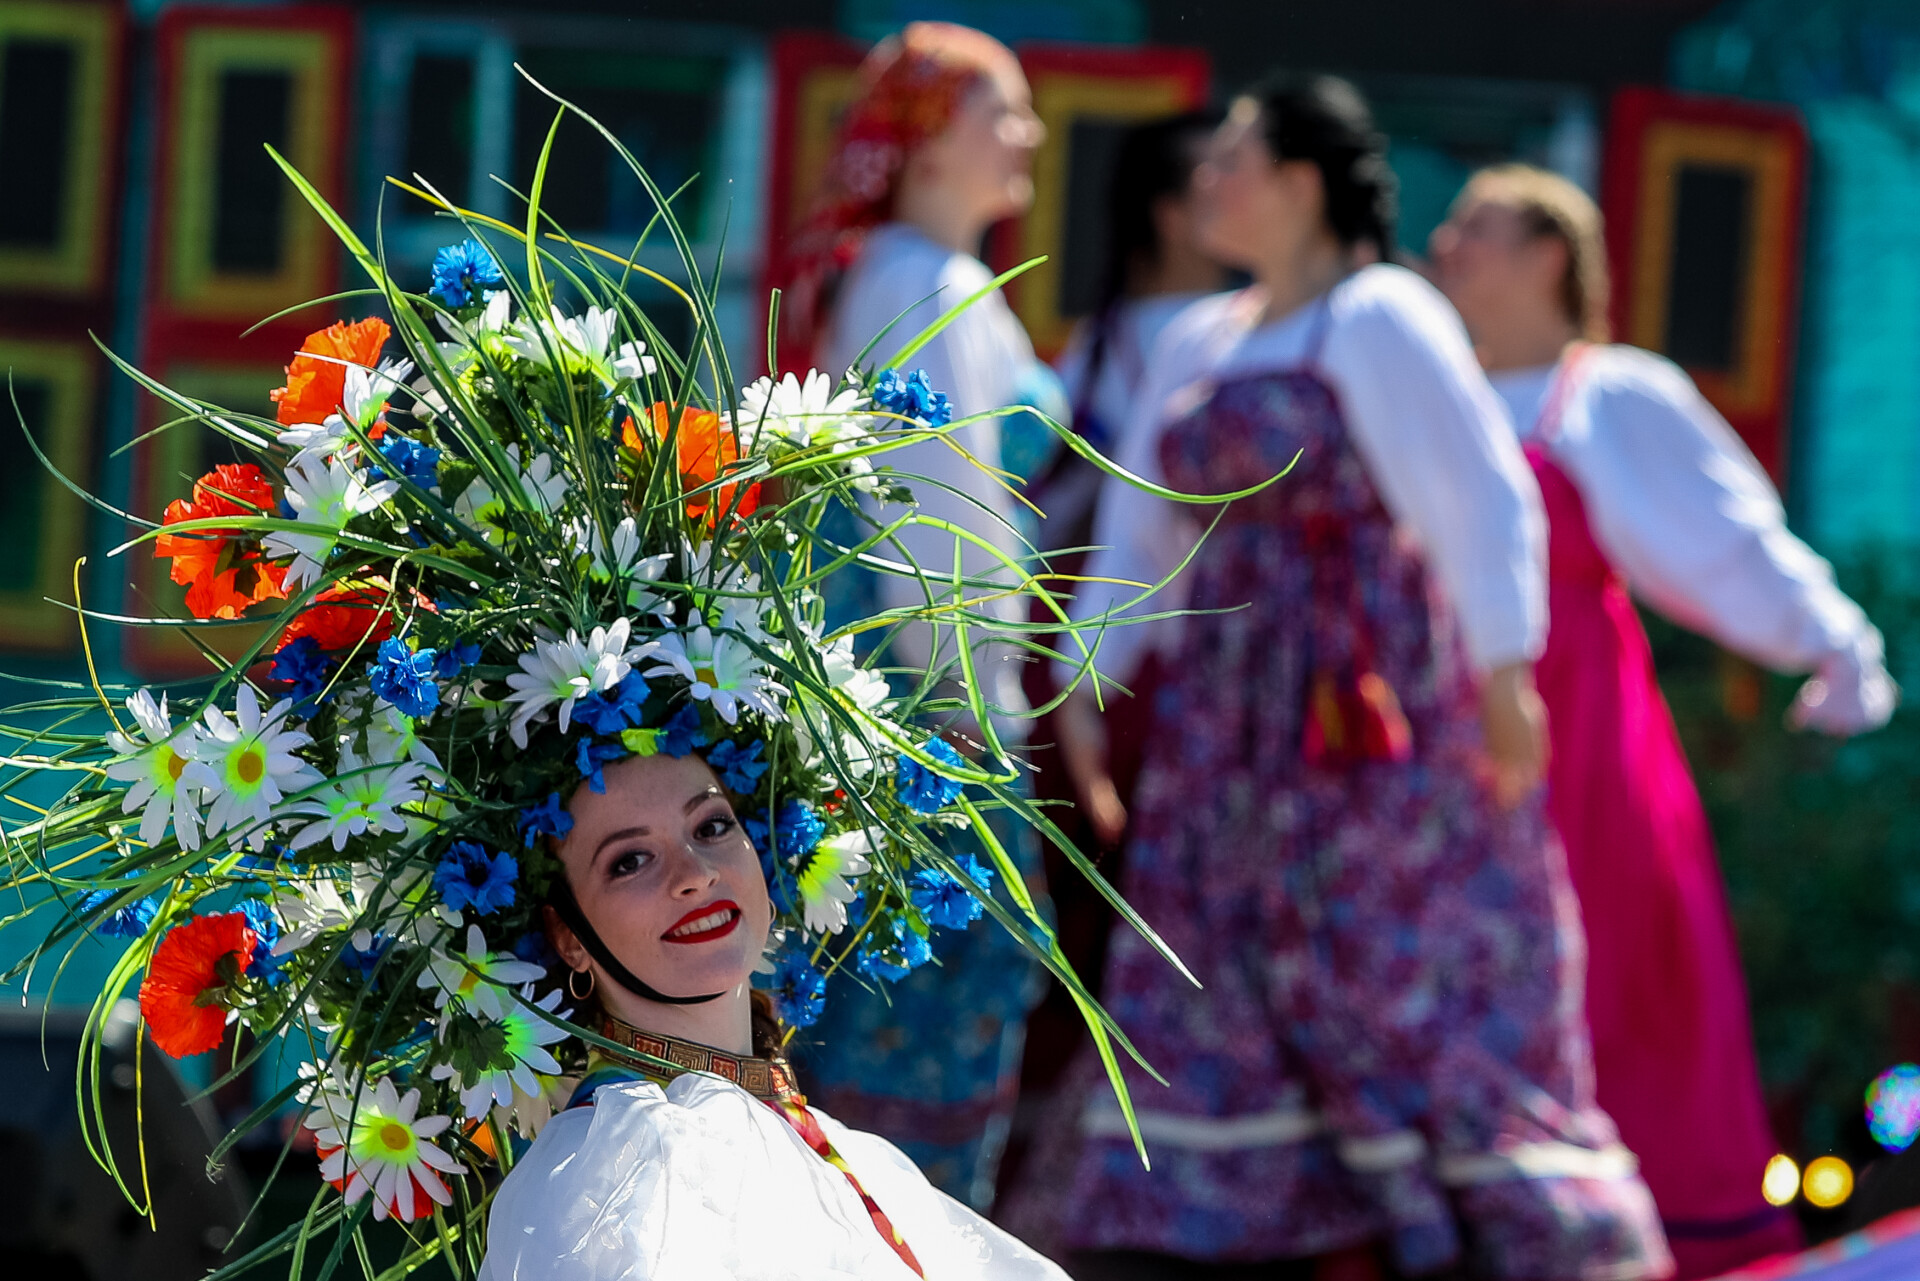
(1513,723)
(1083,749)
(1851,693)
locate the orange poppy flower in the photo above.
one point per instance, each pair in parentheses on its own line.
(222,569)
(189,968)
(314,387)
(343,616)
(706,450)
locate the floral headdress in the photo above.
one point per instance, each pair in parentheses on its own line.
(535,541)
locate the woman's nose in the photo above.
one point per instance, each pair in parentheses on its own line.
(692,873)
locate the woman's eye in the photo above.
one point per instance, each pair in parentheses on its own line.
(628,863)
(715,827)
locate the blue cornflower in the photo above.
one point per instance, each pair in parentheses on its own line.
(456,659)
(363,962)
(799,990)
(459,271)
(912,397)
(943,900)
(739,768)
(407,457)
(266,932)
(612,710)
(405,678)
(305,667)
(469,875)
(548,818)
(681,734)
(128,922)
(590,758)
(894,950)
(920,789)
(800,829)
(533,948)
(284,509)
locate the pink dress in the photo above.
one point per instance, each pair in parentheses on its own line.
(1673,1054)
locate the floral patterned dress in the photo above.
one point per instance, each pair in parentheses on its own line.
(1389,1042)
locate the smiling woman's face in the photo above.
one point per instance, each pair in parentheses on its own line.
(663,871)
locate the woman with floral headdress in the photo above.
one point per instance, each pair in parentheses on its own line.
(935,150)
(537,751)
(1648,489)
(1338,823)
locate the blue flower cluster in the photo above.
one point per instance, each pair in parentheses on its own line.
(682,734)
(943,900)
(912,397)
(739,767)
(266,932)
(592,758)
(894,950)
(406,678)
(468,875)
(920,789)
(783,843)
(363,962)
(456,659)
(128,922)
(306,668)
(409,458)
(612,710)
(548,818)
(799,990)
(460,271)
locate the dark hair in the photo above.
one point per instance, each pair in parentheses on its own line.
(1325,119)
(1153,161)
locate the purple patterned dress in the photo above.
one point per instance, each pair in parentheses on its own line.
(1390,1042)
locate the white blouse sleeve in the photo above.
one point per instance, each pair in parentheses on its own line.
(1682,509)
(1437,443)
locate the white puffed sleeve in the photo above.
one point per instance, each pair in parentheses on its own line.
(1438,446)
(1681,508)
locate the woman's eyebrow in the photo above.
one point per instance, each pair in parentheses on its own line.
(707,793)
(620,835)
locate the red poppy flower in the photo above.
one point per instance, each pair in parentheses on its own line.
(343,616)
(192,965)
(314,387)
(706,450)
(222,569)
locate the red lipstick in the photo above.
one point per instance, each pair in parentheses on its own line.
(723,917)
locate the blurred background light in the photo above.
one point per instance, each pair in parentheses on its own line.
(1828,1182)
(1781,1183)
(1893,1107)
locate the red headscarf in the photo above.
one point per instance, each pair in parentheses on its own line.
(912,86)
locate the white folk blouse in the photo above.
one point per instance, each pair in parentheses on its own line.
(1431,432)
(1682,509)
(700,1181)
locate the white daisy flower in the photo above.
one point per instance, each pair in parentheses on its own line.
(247,764)
(863,686)
(154,764)
(309,908)
(362,800)
(540,485)
(374,1142)
(482,979)
(562,671)
(392,735)
(801,412)
(722,670)
(526,1036)
(326,495)
(824,879)
(583,344)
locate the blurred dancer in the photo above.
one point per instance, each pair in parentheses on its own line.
(1648,488)
(937,148)
(1339,826)
(1154,267)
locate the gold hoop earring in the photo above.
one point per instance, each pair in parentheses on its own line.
(592,981)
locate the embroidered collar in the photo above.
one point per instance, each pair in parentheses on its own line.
(767,1079)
